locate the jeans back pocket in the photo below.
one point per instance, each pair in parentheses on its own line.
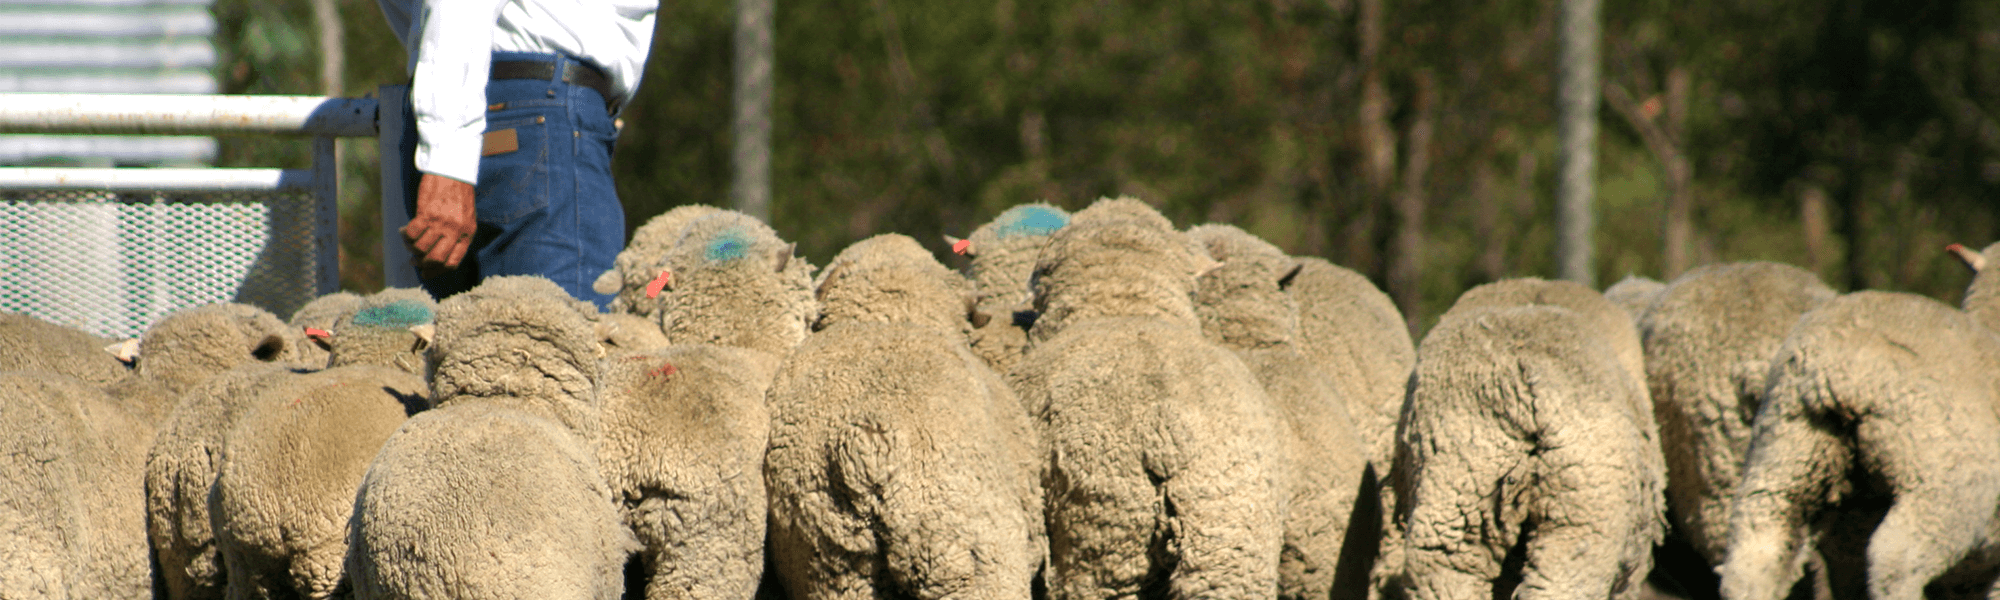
(514,178)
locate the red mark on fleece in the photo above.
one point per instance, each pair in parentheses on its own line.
(665,370)
(318,334)
(959,247)
(659,283)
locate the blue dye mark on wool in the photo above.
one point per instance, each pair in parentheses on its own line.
(730,245)
(1030,220)
(403,313)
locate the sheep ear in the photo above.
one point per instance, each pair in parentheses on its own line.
(126,351)
(1213,266)
(959,246)
(785,256)
(1285,283)
(1972,260)
(426,335)
(608,282)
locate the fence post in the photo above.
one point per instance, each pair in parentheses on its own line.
(396,269)
(326,212)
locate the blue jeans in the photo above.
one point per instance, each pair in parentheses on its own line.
(548,208)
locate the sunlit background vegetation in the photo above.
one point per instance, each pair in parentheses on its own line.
(1855,138)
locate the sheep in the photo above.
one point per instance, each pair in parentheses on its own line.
(897,465)
(31,344)
(1709,339)
(1634,294)
(639,263)
(1354,333)
(1003,255)
(497,491)
(66,472)
(1165,470)
(1246,306)
(1873,452)
(291,462)
(724,291)
(1982,297)
(1522,441)
(686,426)
(313,322)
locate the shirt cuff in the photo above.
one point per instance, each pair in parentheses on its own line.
(453,154)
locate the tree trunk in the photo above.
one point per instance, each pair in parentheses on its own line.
(750,189)
(1377,144)
(1576,115)
(1406,263)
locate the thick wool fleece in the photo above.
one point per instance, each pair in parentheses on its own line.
(639,262)
(900,465)
(1003,256)
(497,492)
(31,344)
(1167,473)
(71,521)
(481,499)
(1881,408)
(190,346)
(180,471)
(321,313)
(383,330)
(289,470)
(1355,334)
(1634,294)
(1709,340)
(1245,306)
(735,284)
(685,428)
(1522,439)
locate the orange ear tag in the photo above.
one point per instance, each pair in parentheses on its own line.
(961,246)
(659,283)
(318,334)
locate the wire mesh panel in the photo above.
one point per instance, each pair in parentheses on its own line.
(114,263)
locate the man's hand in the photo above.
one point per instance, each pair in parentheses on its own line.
(441,231)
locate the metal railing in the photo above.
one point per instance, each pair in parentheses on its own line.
(321,118)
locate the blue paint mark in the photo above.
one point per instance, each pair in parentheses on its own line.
(731,244)
(1030,220)
(402,313)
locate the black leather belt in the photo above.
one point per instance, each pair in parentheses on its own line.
(575,73)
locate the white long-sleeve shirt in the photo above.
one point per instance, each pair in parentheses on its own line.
(452,53)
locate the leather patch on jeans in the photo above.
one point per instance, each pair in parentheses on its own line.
(499,142)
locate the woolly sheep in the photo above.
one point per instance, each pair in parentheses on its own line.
(290,464)
(1709,339)
(1522,438)
(897,466)
(31,344)
(686,426)
(319,315)
(1355,334)
(66,470)
(735,283)
(1634,294)
(639,263)
(1003,255)
(1165,470)
(1245,306)
(496,492)
(181,461)
(1873,451)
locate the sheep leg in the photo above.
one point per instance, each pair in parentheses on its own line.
(1455,532)
(1100,525)
(1793,458)
(701,547)
(1224,505)
(1945,488)
(1589,539)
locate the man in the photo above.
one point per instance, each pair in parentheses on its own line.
(510,124)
